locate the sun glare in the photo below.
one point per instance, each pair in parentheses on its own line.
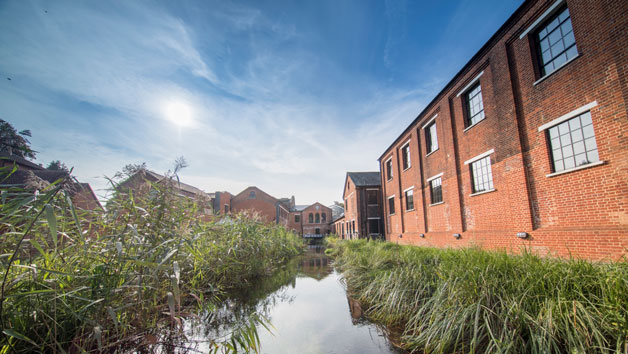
(179,113)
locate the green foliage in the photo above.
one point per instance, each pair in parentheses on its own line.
(470,300)
(57,165)
(14,141)
(128,277)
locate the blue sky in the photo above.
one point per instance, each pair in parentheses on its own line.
(285,95)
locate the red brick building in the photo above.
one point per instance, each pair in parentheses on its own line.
(362,198)
(269,208)
(311,220)
(527,145)
(31,176)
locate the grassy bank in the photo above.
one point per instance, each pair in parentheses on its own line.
(126,278)
(476,301)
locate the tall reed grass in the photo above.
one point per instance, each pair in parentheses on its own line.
(470,300)
(127,278)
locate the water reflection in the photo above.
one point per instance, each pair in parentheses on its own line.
(307,306)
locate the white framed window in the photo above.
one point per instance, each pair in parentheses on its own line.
(481,175)
(389,169)
(391,205)
(572,143)
(409,197)
(405,156)
(431,137)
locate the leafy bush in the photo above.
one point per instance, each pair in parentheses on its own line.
(125,278)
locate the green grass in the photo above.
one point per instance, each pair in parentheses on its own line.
(471,300)
(125,278)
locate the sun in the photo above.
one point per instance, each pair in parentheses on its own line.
(179,113)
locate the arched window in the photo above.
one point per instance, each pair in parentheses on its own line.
(310,218)
(252,195)
(318,218)
(323,217)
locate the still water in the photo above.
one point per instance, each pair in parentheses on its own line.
(307,307)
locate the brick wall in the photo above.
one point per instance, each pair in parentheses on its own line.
(583,212)
(261,204)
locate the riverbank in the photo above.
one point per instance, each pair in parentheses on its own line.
(469,300)
(128,277)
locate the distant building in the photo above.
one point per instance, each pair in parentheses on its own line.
(145,179)
(362,197)
(31,176)
(267,207)
(311,221)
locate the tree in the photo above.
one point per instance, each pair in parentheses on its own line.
(15,142)
(130,169)
(342,205)
(57,165)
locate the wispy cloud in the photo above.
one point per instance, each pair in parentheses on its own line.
(91,79)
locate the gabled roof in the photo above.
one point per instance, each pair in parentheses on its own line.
(257,189)
(180,185)
(338,217)
(299,207)
(22,177)
(39,179)
(19,160)
(363,179)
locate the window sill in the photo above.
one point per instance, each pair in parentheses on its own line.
(388,180)
(482,192)
(473,125)
(431,152)
(589,165)
(407,168)
(439,203)
(393,214)
(407,210)
(555,70)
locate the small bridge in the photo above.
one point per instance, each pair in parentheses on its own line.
(313,236)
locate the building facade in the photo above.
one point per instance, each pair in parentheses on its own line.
(267,207)
(362,196)
(527,146)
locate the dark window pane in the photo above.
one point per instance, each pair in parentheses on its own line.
(557,34)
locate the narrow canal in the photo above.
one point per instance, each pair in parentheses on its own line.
(307,308)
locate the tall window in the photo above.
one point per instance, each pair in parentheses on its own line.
(482,175)
(405,156)
(431,138)
(391,205)
(573,143)
(389,169)
(353,226)
(409,200)
(474,105)
(323,217)
(226,208)
(318,218)
(317,231)
(371,197)
(310,218)
(374,227)
(297,218)
(436,190)
(555,42)
(346,205)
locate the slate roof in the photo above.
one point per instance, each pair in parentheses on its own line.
(39,179)
(21,177)
(19,160)
(362,179)
(299,207)
(182,186)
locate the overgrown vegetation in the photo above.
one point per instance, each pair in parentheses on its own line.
(126,278)
(470,300)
